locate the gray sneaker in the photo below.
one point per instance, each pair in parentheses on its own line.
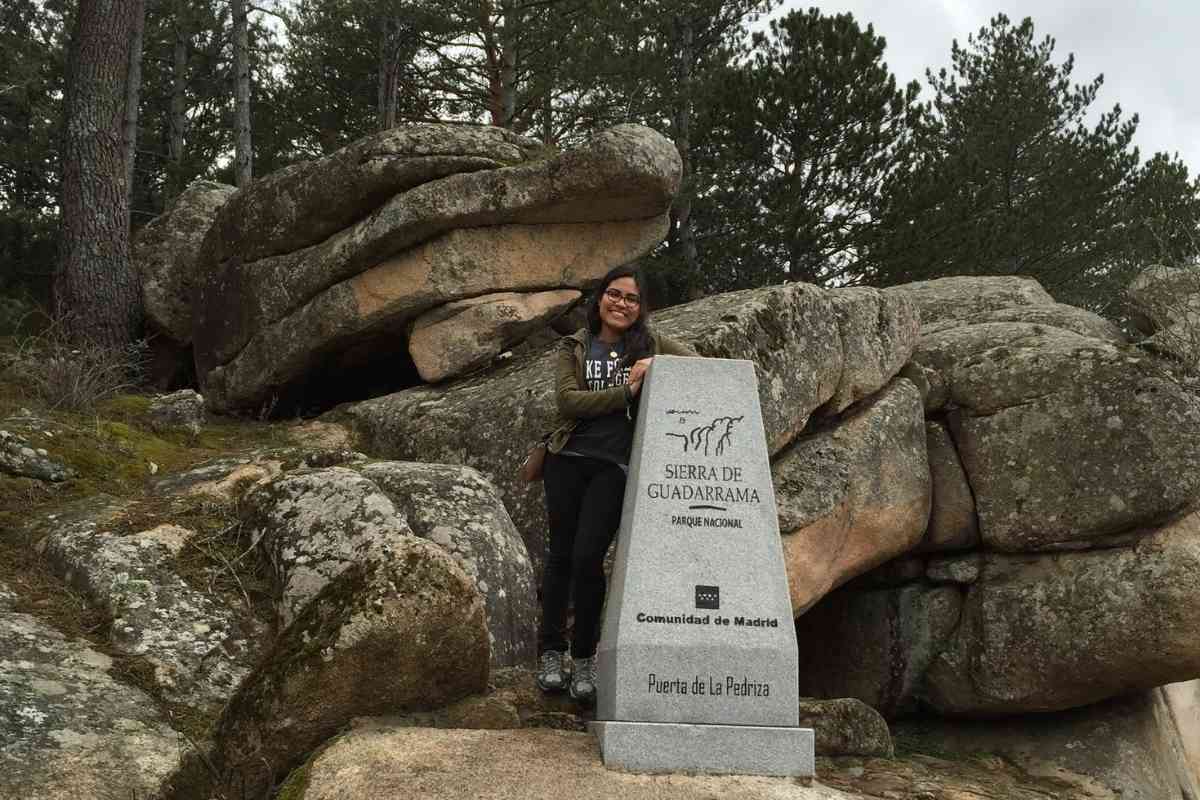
(554,672)
(583,686)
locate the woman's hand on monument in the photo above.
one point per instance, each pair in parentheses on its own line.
(638,371)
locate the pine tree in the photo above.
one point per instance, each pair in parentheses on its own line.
(1009,178)
(805,135)
(32,56)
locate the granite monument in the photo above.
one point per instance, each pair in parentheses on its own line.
(697,659)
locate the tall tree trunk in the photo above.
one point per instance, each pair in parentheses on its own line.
(389,73)
(683,238)
(492,57)
(95,289)
(509,33)
(175,145)
(243,159)
(547,115)
(133,88)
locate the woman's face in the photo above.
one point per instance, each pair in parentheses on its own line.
(617,312)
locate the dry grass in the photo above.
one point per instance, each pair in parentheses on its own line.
(62,374)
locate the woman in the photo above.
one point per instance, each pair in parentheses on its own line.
(599,376)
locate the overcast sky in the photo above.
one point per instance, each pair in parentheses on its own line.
(1147,51)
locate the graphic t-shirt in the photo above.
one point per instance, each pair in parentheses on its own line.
(610,436)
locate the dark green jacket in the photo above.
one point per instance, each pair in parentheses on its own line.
(576,401)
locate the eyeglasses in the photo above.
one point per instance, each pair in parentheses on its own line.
(617,296)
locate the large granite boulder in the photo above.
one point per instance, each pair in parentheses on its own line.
(962,298)
(313,524)
(310,526)
(384,637)
(68,730)
(792,333)
(467,334)
(985,635)
(1160,297)
(307,202)
(853,496)
(878,330)
(165,251)
(263,325)
(1052,632)
(383,760)
(197,648)
(166,254)
(1051,315)
(1164,303)
(1037,414)
(458,509)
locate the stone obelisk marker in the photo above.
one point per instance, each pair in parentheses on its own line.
(697,660)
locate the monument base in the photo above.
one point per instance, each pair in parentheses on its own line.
(714,749)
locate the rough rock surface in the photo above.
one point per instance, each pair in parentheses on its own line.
(802,340)
(165,255)
(1065,403)
(977,776)
(1160,297)
(376,304)
(992,634)
(1177,342)
(852,497)
(1054,315)
(403,762)
(196,647)
(1052,632)
(308,201)
(381,761)
(1183,700)
(464,335)
(953,524)
(382,637)
(178,411)
(846,727)
(1137,745)
(459,510)
(369,279)
(790,332)
(321,435)
(311,525)
(67,729)
(222,479)
(18,458)
(964,297)
(878,331)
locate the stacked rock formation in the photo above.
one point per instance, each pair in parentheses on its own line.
(812,358)
(1058,565)
(1008,493)
(425,228)
(986,497)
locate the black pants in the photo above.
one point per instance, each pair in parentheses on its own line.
(583,501)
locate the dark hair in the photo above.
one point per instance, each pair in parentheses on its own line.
(636,339)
